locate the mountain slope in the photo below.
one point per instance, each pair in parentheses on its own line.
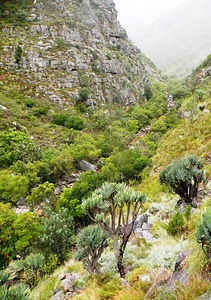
(62,44)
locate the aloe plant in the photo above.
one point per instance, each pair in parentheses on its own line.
(203,234)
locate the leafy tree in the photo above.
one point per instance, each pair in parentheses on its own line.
(183,176)
(129,163)
(43,193)
(147,91)
(57,233)
(7,218)
(26,229)
(17,232)
(115,207)
(16,145)
(85,147)
(12,187)
(203,234)
(91,242)
(71,198)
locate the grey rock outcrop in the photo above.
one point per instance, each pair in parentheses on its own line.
(65,40)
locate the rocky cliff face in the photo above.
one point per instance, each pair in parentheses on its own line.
(70,44)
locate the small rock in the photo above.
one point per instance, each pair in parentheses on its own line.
(58,296)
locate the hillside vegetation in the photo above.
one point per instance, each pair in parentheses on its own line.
(83,214)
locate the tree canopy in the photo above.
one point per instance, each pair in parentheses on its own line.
(183,176)
(115,207)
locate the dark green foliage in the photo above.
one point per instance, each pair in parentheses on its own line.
(130,163)
(147,92)
(68,121)
(18,54)
(84,93)
(183,176)
(16,145)
(74,122)
(29,103)
(176,224)
(57,233)
(203,234)
(60,118)
(82,108)
(91,242)
(41,111)
(71,198)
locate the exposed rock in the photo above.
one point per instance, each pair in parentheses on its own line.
(69,39)
(67,284)
(58,296)
(142,228)
(86,166)
(180,273)
(2,107)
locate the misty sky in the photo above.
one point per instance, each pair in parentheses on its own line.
(135,12)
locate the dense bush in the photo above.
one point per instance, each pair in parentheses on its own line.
(17,234)
(68,121)
(17,145)
(12,187)
(129,163)
(57,233)
(84,93)
(176,224)
(71,198)
(41,195)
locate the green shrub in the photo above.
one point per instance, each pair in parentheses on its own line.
(41,111)
(43,193)
(17,145)
(74,122)
(68,121)
(60,118)
(84,80)
(176,224)
(18,54)
(84,93)
(29,103)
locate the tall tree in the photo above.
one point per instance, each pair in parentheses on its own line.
(115,207)
(183,176)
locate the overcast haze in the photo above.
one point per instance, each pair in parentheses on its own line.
(174,34)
